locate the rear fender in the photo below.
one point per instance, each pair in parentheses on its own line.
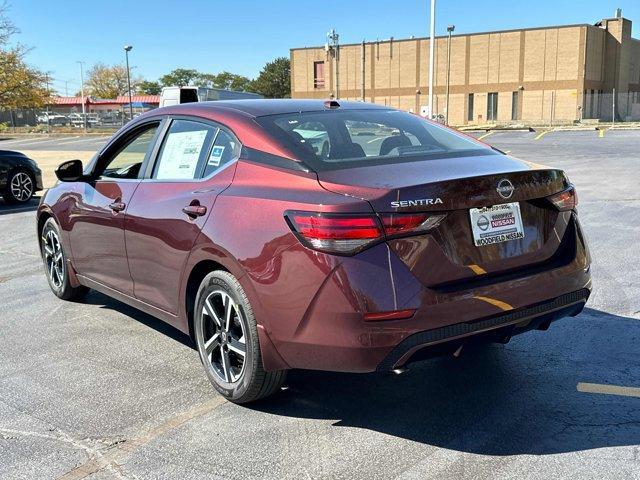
(205,250)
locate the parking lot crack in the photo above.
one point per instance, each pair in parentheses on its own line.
(114,455)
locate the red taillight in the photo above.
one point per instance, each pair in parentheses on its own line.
(348,233)
(332,233)
(406,223)
(334,227)
(565,200)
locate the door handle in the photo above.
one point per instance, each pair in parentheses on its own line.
(195,210)
(117,206)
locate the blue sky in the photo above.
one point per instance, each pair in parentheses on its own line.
(241,35)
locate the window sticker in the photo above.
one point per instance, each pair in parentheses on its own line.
(216,156)
(180,155)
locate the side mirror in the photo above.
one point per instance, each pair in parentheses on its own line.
(70,171)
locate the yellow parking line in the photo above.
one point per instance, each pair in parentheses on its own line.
(542,134)
(504,306)
(477,269)
(608,389)
(485,135)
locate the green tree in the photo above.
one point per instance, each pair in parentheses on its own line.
(179,77)
(20,84)
(104,81)
(228,81)
(146,87)
(274,80)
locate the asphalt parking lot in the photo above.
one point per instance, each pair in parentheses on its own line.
(101,391)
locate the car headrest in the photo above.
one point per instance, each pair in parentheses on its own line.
(346,150)
(392,142)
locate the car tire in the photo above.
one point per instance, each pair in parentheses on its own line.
(20,187)
(226,335)
(55,264)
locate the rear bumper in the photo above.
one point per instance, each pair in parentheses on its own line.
(498,328)
(331,333)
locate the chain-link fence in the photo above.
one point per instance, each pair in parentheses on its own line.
(611,106)
(65,119)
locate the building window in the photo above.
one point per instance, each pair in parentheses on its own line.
(492,106)
(514,106)
(470,108)
(318,75)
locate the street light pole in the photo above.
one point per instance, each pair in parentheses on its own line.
(127,49)
(362,58)
(431,55)
(334,46)
(84,115)
(450,30)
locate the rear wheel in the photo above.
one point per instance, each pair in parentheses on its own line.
(20,187)
(227,339)
(55,264)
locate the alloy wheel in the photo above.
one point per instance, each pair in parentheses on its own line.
(21,186)
(223,333)
(53,258)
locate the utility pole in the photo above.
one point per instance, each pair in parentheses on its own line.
(127,49)
(84,113)
(49,99)
(450,30)
(431,55)
(334,48)
(362,70)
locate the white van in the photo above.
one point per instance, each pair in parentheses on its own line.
(177,95)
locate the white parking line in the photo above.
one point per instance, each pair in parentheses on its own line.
(55,140)
(83,140)
(68,138)
(25,144)
(608,389)
(23,140)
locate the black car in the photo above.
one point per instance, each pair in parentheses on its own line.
(20,177)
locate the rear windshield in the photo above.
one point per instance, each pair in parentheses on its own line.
(335,139)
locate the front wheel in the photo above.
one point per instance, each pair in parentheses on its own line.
(227,339)
(55,264)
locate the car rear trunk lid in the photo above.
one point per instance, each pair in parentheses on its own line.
(449,254)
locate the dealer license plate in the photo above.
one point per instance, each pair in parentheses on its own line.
(495,224)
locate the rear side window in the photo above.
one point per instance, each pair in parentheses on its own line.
(332,139)
(184,150)
(226,149)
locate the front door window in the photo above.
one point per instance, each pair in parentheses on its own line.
(127,161)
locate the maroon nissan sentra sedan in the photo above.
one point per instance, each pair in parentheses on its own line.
(337,236)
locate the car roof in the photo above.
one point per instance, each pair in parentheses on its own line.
(264,106)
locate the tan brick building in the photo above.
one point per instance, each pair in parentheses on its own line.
(558,74)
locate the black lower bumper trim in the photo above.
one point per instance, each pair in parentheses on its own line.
(538,314)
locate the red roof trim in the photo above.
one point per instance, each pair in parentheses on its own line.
(138,99)
(121,100)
